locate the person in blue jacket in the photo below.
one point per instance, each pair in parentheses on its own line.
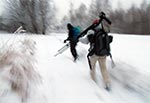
(73,41)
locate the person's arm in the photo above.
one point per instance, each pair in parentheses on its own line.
(84,40)
(69,37)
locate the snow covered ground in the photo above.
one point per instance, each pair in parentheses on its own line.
(65,81)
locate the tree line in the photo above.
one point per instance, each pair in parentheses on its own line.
(39,16)
(135,20)
(34,16)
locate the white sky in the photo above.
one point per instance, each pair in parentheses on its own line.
(1,7)
(63,5)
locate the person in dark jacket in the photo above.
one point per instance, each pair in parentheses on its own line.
(93,58)
(72,40)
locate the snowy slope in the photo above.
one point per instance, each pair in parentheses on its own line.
(65,81)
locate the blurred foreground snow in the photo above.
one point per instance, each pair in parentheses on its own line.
(63,81)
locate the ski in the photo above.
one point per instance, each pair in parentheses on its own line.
(61,50)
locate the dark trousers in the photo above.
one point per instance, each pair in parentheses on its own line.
(73,49)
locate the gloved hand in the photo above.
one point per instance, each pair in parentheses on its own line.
(65,41)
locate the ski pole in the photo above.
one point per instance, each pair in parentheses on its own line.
(61,50)
(112,63)
(89,62)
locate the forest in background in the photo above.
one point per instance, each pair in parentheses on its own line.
(40,16)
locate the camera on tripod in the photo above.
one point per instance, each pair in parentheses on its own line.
(103,16)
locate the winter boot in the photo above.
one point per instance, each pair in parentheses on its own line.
(108,87)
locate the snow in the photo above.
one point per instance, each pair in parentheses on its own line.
(65,81)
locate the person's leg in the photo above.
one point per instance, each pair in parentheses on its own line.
(102,63)
(73,50)
(93,60)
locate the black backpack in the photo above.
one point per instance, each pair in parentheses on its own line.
(101,43)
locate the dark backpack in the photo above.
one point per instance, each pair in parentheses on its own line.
(101,43)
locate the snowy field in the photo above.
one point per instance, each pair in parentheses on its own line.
(65,81)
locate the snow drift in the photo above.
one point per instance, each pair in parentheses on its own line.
(64,81)
(17,68)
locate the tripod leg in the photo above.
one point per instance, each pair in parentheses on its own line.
(61,50)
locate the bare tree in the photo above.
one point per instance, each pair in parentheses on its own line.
(81,16)
(84,16)
(31,14)
(135,20)
(64,22)
(118,20)
(145,17)
(72,13)
(97,6)
(148,18)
